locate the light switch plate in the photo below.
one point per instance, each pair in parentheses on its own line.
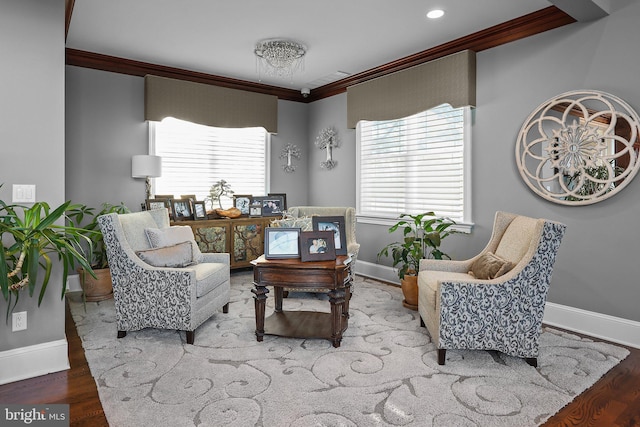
(24,193)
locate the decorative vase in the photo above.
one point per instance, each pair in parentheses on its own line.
(409,287)
(98,289)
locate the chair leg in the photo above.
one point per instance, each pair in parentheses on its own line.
(441,355)
(122,334)
(191,335)
(225,308)
(532,361)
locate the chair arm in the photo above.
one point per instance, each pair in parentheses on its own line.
(445,265)
(491,314)
(221,258)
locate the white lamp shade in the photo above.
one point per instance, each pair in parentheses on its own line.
(146,166)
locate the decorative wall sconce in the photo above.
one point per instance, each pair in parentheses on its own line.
(328,140)
(290,151)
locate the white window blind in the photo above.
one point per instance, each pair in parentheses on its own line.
(414,165)
(194,157)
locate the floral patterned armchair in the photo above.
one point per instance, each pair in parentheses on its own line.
(495,300)
(175,286)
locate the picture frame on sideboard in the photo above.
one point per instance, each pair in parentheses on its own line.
(181,209)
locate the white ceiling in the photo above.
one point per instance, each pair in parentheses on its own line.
(218,37)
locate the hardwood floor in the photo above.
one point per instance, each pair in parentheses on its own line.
(612,401)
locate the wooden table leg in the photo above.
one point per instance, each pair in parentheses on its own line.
(279,294)
(336,298)
(260,300)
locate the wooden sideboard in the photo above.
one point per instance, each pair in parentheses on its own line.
(242,238)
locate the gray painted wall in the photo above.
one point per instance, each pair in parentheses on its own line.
(32,138)
(293,128)
(335,187)
(597,268)
(105,127)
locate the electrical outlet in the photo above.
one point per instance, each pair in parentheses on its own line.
(19,321)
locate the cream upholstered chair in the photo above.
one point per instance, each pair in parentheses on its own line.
(495,300)
(175,287)
(349,214)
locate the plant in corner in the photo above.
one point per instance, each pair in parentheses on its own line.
(422,235)
(29,236)
(97,286)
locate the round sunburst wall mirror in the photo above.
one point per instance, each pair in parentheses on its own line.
(579,147)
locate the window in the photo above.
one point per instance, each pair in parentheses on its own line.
(415,164)
(194,157)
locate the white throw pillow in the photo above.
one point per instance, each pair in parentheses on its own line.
(180,255)
(162,237)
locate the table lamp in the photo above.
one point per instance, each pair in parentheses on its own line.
(146,166)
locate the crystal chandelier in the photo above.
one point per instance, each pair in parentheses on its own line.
(279,58)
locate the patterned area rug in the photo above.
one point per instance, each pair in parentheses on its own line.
(385,372)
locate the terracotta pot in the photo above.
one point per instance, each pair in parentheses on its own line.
(98,289)
(410,290)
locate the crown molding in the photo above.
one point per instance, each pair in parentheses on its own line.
(525,26)
(98,61)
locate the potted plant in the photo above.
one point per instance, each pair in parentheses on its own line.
(423,234)
(97,286)
(217,191)
(29,236)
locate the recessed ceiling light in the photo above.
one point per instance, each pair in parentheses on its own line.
(435,13)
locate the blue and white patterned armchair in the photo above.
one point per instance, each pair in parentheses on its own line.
(173,297)
(503,310)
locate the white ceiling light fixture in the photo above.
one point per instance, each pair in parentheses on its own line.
(435,14)
(279,57)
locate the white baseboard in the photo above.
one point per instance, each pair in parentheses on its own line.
(377,271)
(597,325)
(73,283)
(33,361)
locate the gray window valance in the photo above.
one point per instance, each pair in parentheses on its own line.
(451,80)
(208,105)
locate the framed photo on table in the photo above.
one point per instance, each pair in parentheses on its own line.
(336,225)
(281,242)
(181,209)
(199,210)
(242,202)
(317,246)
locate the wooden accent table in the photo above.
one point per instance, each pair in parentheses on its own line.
(285,274)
